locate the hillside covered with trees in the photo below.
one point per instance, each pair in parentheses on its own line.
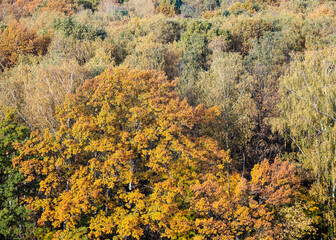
(168,119)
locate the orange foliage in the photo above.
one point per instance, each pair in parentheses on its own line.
(166,8)
(274,183)
(272,186)
(125,158)
(17,40)
(228,206)
(66,6)
(27,6)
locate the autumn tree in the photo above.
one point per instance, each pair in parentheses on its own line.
(226,86)
(18,40)
(66,6)
(308,120)
(166,8)
(155,56)
(124,159)
(229,206)
(153,44)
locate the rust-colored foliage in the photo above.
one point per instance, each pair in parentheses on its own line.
(27,6)
(17,40)
(274,184)
(21,8)
(272,187)
(66,6)
(228,206)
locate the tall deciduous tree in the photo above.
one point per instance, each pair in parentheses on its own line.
(223,85)
(124,160)
(308,119)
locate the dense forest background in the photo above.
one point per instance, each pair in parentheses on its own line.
(167,119)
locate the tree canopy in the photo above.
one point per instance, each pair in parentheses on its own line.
(167,119)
